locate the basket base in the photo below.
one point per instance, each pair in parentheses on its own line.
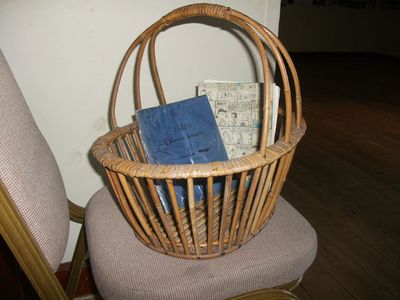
(204,252)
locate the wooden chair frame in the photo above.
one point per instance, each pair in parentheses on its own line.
(29,256)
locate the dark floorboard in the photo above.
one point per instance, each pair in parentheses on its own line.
(345,178)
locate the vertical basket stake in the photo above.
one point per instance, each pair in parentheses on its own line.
(256,200)
(136,208)
(192,211)
(238,209)
(247,206)
(177,214)
(264,194)
(265,214)
(267,210)
(161,213)
(125,206)
(210,214)
(150,212)
(227,196)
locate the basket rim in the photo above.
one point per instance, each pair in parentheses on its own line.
(101,151)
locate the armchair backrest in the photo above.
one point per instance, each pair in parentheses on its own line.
(29,174)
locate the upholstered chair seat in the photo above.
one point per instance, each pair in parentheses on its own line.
(124,268)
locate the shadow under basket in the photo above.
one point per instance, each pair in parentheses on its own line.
(217,224)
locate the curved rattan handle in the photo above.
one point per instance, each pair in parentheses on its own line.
(253,28)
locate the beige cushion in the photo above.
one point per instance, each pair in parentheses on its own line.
(29,171)
(124,268)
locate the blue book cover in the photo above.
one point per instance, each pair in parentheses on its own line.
(183,132)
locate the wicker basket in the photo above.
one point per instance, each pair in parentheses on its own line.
(220,223)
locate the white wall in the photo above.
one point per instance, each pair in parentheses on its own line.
(64,55)
(306,28)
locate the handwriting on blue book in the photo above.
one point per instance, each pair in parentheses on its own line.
(183,132)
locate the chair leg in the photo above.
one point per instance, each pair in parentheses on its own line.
(80,255)
(282,292)
(267,294)
(292,285)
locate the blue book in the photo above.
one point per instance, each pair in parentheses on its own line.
(183,132)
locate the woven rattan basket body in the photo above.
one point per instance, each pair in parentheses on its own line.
(220,223)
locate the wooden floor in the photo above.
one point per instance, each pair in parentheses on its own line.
(345,178)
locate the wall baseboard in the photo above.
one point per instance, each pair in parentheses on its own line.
(86,285)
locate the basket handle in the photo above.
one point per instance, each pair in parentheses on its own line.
(253,28)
